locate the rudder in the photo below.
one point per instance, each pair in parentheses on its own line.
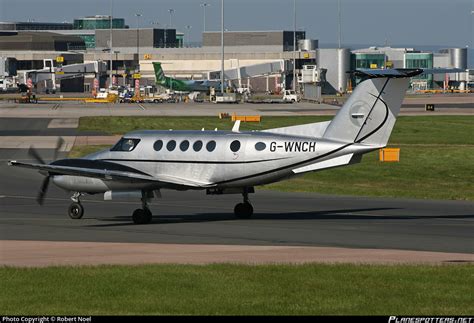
(369,115)
(159,74)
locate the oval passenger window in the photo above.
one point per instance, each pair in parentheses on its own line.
(197,145)
(158,145)
(211,145)
(184,145)
(260,146)
(235,146)
(171,145)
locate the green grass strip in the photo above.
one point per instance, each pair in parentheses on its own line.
(239,289)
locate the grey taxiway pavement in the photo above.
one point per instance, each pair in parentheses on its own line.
(300,219)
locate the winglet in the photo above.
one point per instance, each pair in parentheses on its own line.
(236,126)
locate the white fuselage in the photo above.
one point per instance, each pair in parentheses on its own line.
(258,158)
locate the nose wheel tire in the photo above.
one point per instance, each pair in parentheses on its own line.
(142,216)
(243,210)
(76,211)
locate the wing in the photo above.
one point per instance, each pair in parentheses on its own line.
(110,171)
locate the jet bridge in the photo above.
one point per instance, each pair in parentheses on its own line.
(244,72)
(54,74)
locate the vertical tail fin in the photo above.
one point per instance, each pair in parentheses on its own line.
(368,116)
(159,74)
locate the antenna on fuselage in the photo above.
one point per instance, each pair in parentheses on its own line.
(236,126)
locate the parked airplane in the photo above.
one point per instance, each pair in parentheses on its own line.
(224,162)
(183,85)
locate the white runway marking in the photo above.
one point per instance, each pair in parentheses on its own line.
(142,107)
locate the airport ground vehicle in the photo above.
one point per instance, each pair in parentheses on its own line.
(290,96)
(4,84)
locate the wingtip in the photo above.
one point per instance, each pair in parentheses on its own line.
(11,162)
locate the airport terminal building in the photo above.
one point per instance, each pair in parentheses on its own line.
(261,60)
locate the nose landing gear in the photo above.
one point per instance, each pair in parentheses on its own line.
(76,210)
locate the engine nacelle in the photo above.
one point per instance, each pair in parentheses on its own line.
(80,183)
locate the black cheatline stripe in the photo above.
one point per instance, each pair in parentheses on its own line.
(194,161)
(380,125)
(371,109)
(285,167)
(97,164)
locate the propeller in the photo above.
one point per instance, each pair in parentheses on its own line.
(36,156)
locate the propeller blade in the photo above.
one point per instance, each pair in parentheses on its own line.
(43,190)
(33,153)
(58,147)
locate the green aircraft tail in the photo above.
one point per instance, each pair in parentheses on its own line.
(159,74)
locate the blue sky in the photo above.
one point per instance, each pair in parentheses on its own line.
(397,22)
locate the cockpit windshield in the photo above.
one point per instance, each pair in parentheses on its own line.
(125,144)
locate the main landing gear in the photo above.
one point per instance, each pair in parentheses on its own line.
(244,210)
(76,210)
(143,215)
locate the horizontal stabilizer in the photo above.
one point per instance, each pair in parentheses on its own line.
(334,162)
(402,72)
(305,130)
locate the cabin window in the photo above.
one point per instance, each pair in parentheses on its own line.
(125,144)
(259,146)
(184,145)
(211,145)
(197,145)
(158,145)
(235,146)
(171,145)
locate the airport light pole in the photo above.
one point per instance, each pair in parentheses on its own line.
(339,23)
(188,27)
(171,11)
(294,45)
(116,64)
(204,5)
(222,47)
(111,51)
(138,15)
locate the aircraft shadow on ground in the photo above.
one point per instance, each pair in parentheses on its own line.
(340,214)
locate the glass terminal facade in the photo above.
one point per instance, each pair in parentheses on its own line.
(96,22)
(363,60)
(420,60)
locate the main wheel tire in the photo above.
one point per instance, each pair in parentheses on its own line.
(243,210)
(142,216)
(76,211)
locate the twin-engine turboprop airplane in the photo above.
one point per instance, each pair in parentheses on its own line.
(223,162)
(183,85)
